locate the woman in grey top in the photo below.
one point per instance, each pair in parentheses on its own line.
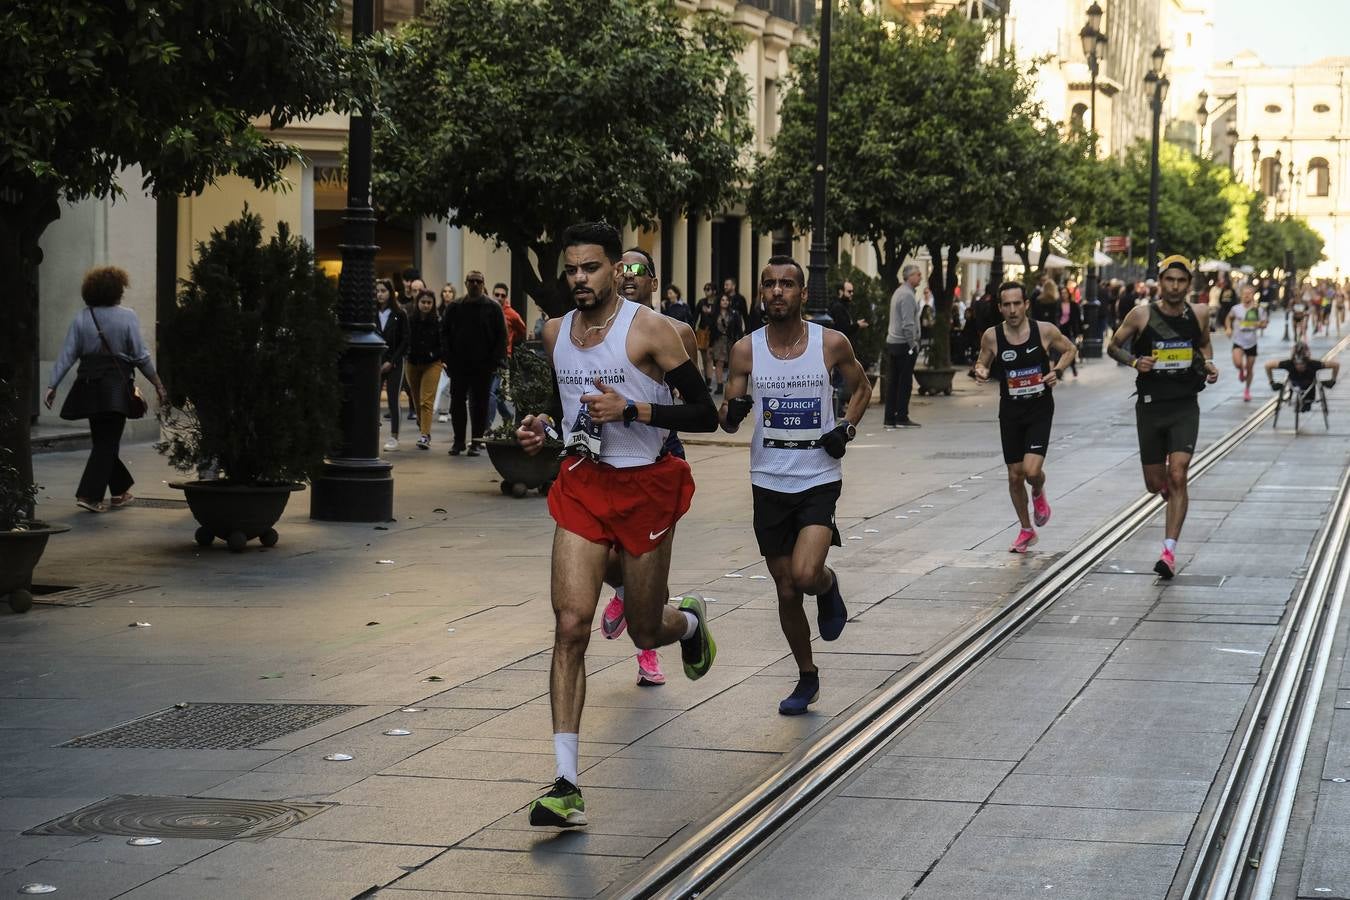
(106,339)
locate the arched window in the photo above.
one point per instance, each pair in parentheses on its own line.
(1078,118)
(1270,176)
(1319,177)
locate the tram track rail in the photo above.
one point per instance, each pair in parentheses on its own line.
(718,846)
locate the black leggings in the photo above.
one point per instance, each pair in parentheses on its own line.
(393,383)
(472,390)
(104,470)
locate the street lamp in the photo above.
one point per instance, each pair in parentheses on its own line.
(1158,85)
(1201,117)
(1232,135)
(1094,47)
(1256,162)
(819,265)
(356,485)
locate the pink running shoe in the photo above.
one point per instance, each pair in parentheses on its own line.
(1025,538)
(1166,566)
(612,623)
(1040,509)
(1247,392)
(649,669)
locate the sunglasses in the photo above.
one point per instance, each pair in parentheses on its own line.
(635,269)
(499,295)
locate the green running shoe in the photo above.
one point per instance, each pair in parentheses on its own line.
(561,807)
(700,650)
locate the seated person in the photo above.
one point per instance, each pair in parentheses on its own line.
(1302,369)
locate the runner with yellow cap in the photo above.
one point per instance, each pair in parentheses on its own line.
(1167,342)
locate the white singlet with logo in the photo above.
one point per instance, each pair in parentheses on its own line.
(619,446)
(794,406)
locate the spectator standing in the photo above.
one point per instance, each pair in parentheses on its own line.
(677,308)
(473,346)
(737,299)
(106,339)
(413,287)
(443,380)
(902,349)
(727,328)
(843,321)
(704,316)
(391,323)
(422,368)
(515,331)
(447,297)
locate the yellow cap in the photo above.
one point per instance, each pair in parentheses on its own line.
(1175,261)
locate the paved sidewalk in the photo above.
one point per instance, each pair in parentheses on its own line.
(458,624)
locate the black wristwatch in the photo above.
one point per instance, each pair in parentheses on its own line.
(850,430)
(630,414)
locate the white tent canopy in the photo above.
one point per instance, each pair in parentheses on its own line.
(1214,265)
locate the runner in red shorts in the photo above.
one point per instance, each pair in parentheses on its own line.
(616,363)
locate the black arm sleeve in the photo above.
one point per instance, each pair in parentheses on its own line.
(697,413)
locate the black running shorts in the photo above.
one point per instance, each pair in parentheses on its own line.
(1166,426)
(779,516)
(1024,431)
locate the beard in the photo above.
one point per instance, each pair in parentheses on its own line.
(785,314)
(589,298)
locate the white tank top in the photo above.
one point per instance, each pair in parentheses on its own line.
(618,445)
(794,406)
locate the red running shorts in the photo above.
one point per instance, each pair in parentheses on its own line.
(632,508)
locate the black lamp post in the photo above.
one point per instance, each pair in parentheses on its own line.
(1201,118)
(356,485)
(1094,47)
(819,266)
(1232,135)
(1256,163)
(1158,85)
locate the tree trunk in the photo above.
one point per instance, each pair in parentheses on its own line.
(542,282)
(942,282)
(891,256)
(24,216)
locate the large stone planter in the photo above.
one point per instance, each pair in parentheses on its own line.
(236,513)
(19,555)
(934,381)
(520,471)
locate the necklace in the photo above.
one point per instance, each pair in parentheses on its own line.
(786,354)
(581,341)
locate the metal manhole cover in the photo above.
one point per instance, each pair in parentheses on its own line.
(962,454)
(83,594)
(182,817)
(211,726)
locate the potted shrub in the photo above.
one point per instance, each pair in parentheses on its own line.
(528,387)
(250,353)
(22,538)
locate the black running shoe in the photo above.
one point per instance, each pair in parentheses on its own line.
(831,613)
(806,693)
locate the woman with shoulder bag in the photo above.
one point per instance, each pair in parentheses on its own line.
(423,363)
(106,339)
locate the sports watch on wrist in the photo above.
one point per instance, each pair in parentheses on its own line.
(850,430)
(630,413)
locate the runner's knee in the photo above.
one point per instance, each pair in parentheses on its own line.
(572,629)
(806,578)
(645,636)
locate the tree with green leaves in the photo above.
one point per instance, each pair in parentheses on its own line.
(919,145)
(515,119)
(174,87)
(1269,239)
(1202,211)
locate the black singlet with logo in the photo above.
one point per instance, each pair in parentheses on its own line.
(1178,366)
(1021,371)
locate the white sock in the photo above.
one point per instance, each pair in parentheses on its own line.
(690,624)
(618,592)
(1170,544)
(565,751)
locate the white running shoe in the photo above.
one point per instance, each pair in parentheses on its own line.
(391,444)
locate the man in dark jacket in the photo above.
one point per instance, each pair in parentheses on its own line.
(473,345)
(842,320)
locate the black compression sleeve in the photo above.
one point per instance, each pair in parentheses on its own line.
(697,413)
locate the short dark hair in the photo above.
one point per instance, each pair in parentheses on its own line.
(651,263)
(411,273)
(103,286)
(673,287)
(603,234)
(1012,286)
(503,285)
(788,261)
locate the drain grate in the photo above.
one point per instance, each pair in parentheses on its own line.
(157,503)
(182,817)
(962,454)
(83,594)
(211,726)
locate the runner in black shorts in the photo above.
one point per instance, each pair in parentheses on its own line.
(1168,344)
(1017,352)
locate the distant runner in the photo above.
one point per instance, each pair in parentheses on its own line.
(795,473)
(616,363)
(1169,346)
(1244,325)
(1303,369)
(1018,352)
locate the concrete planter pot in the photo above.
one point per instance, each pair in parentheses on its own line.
(236,513)
(19,555)
(522,473)
(934,381)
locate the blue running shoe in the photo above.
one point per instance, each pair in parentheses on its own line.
(831,613)
(806,692)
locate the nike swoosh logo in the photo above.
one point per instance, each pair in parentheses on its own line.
(1037,446)
(656,535)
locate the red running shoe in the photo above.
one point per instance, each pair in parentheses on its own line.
(612,623)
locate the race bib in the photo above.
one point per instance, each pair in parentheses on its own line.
(1028,382)
(791,423)
(584,438)
(1172,356)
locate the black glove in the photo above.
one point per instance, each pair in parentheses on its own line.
(1329,384)
(738,408)
(1274,386)
(835,441)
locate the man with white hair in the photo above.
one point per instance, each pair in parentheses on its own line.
(902,349)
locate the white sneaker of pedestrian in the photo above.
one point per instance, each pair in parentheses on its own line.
(443,417)
(391,444)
